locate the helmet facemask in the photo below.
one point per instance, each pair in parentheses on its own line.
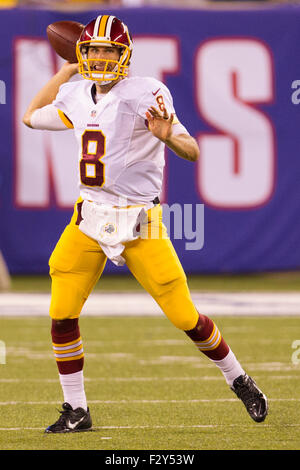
(112,69)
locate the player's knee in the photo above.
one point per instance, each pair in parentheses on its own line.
(60,313)
(185,321)
(66,299)
(65,308)
(65,304)
(178,306)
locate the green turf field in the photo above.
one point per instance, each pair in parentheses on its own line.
(284,282)
(149,388)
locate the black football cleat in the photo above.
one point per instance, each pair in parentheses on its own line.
(254,400)
(71,420)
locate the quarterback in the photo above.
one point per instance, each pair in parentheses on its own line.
(122,125)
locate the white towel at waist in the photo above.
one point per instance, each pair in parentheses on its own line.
(112,226)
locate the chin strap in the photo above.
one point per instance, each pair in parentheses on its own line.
(107,82)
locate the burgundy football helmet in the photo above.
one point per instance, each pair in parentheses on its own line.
(107,31)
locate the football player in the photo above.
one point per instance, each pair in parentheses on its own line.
(122,125)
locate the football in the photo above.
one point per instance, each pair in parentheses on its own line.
(63,36)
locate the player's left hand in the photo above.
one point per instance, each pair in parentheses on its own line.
(160,123)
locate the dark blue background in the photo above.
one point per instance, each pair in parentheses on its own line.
(262,239)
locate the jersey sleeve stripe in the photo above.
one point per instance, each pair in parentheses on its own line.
(175,120)
(65,119)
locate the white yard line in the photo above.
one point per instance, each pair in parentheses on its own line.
(144,402)
(167,426)
(142,304)
(207,378)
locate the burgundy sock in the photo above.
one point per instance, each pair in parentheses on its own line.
(208,339)
(67,345)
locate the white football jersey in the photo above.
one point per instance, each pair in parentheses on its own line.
(120,161)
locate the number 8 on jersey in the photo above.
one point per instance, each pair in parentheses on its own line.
(93,149)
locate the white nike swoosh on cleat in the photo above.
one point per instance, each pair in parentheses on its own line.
(73,425)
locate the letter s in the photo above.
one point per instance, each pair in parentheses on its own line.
(236,169)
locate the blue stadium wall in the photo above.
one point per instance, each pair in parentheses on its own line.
(234,77)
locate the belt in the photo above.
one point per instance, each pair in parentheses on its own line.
(155,201)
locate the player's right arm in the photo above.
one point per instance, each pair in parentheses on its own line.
(48,93)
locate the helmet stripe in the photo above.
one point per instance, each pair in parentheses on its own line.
(109,23)
(96,26)
(102,26)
